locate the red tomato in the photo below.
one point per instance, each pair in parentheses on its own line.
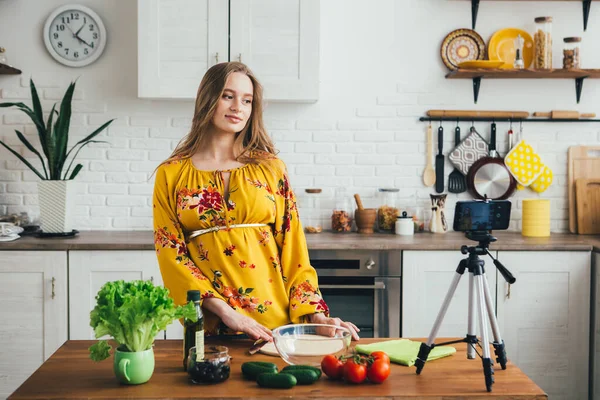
(332,367)
(378,371)
(353,372)
(380,355)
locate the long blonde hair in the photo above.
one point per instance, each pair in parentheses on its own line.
(252,144)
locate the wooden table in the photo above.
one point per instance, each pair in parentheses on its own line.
(69,373)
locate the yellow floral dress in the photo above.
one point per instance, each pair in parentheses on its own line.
(263,272)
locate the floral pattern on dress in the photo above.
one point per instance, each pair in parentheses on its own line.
(306,293)
(165,239)
(240,297)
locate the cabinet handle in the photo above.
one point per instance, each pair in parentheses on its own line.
(216,58)
(240,57)
(53,284)
(508,292)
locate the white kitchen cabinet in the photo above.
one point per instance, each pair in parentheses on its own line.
(178,40)
(546,319)
(33,311)
(426,277)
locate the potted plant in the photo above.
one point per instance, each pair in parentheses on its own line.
(133,313)
(55,190)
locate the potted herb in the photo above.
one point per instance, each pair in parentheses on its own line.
(55,190)
(133,313)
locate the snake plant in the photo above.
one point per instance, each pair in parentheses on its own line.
(54,136)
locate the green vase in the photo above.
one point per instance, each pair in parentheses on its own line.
(133,368)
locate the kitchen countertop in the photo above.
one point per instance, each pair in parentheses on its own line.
(143,240)
(69,373)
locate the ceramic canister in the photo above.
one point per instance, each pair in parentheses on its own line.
(536,218)
(405,225)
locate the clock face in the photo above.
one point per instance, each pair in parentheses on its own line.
(74,35)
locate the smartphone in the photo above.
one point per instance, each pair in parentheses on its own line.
(480,215)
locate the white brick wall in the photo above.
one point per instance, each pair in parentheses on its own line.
(362,134)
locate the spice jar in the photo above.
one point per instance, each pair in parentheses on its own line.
(571,52)
(341,218)
(312,211)
(388,211)
(213,368)
(542,40)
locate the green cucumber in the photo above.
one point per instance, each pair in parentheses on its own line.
(276,381)
(302,367)
(303,376)
(252,369)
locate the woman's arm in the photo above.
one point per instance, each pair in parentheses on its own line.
(237,321)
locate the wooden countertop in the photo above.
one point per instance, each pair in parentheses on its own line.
(143,240)
(69,373)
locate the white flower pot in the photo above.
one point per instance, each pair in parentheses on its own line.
(56,200)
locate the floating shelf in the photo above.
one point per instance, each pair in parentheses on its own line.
(477,74)
(586,9)
(489,119)
(8,70)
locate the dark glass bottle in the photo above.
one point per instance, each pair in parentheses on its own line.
(193,332)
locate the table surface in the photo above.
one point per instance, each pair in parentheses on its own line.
(69,373)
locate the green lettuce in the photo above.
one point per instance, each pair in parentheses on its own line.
(133,313)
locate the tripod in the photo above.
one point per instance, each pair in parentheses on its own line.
(477,282)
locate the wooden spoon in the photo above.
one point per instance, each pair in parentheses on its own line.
(429,173)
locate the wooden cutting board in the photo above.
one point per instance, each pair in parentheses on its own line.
(583,163)
(588,206)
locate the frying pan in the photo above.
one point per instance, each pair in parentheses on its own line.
(488,177)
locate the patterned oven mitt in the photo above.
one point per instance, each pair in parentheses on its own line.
(524,163)
(471,149)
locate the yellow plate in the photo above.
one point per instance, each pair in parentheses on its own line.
(483,64)
(501,47)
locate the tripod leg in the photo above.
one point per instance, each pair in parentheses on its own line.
(488,369)
(498,343)
(471,334)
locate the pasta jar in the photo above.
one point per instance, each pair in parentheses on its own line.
(542,40)
(312,211)
(388,211)
(341,218)
(571,52)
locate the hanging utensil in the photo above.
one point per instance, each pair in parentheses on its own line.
(456,180)
(439,162)
(429,173)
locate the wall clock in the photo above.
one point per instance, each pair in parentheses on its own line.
(74,35)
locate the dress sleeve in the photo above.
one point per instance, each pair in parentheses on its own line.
(178,270)
(299,276)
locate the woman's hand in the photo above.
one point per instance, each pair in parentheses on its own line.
(236,321)
(320,318)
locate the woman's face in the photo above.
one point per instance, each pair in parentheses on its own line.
(235,105)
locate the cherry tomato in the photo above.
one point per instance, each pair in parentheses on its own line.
(332,367)
(354,372)
(378,371)
(380,355)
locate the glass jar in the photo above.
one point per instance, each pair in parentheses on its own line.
(341,218)
(312,211)
(388,210)
(3,59)
(542,41)
(572,52)
(213,368)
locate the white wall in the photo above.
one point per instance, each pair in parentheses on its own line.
(380,71)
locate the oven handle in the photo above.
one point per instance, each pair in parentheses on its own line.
(376,286)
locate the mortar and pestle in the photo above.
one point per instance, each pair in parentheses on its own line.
(364,217)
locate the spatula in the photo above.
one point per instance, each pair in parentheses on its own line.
(439,162)
(429,173)
(457,182)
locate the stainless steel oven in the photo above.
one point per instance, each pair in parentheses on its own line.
(363,287)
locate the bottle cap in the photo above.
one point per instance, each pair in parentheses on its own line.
(193,295)
(573,39)
(313,190)
(543,19)
(390,190)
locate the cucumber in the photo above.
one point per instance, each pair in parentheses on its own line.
(252,369)
(302,367)
(303,376)
(276,381)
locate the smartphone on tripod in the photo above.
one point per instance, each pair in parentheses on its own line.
(481,215)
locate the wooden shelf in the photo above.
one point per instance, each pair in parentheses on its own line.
(477,74)
(8,70)
(502,119)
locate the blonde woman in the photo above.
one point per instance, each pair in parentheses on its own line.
(225,217)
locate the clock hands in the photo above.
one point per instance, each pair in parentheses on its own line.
(76,34)
(79,30)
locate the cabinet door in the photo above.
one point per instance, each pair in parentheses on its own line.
(279,41)
(546,319)
(178,40)
(33,311)
(426,278)
(595,378)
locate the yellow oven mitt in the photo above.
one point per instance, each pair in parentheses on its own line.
(543,181)
(404,351)
(524,163)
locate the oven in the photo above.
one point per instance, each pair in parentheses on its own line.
(363,287)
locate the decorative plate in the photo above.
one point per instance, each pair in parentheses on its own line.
(462,45)
(480,64)
(501,47)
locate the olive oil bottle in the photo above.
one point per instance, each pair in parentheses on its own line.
(193,332)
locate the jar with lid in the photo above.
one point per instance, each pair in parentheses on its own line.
(312,211)
(572,52)
(388,210)
(405,225)
(213,367)
(341,218)
(542,42)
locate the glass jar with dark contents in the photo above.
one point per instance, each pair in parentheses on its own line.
(213,368)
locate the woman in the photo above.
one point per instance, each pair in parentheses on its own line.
(225,217)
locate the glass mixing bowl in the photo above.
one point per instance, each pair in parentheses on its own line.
(307,344)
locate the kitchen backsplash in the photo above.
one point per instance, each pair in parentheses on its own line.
(362,134)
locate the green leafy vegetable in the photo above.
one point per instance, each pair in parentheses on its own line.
(133,313)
